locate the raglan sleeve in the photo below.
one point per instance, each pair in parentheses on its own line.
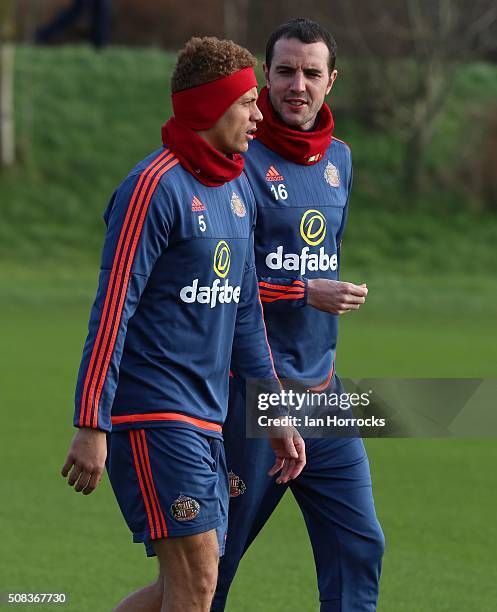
(345,214)
(139,219)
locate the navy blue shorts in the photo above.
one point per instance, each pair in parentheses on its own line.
(169,482)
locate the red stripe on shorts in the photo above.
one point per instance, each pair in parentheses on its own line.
(132,436)
(148,470)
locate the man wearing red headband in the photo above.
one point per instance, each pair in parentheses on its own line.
(177,299)
(301,176)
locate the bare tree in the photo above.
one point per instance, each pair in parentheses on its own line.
(7,28)
(438,35)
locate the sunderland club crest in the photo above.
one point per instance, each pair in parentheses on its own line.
(331,175)
(185,508)
(237,486)
(237,206)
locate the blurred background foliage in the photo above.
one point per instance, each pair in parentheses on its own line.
(416,99)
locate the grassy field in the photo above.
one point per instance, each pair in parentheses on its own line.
(431,312)
(435,498)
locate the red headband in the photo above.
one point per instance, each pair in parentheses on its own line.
(199,108)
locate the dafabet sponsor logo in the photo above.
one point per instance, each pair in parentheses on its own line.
(313,232)
(219,292)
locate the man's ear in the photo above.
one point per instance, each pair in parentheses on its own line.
(266,74)
(331,80)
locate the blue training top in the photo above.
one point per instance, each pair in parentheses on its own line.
(177,283)
(301,215)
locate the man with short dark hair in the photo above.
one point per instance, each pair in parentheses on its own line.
(177,292)
(301,176)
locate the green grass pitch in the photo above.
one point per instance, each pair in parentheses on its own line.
(435,498)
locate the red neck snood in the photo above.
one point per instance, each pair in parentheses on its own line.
(208,165)
(305,148)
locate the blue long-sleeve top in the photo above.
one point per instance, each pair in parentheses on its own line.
(177,299)
(301,216)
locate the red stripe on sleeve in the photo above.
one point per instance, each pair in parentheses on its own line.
(282,296)
(273,298)
(117,321)
(117,287)
(291,292)
(270,292)
(291,287)
(86,403)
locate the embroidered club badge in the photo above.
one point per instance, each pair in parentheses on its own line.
(185,508)
(237,206)
(237,486)
(331,175)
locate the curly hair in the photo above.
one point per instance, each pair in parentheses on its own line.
(206,59)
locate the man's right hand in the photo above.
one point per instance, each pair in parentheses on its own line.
(86,457)
(289,449)
(335,297)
